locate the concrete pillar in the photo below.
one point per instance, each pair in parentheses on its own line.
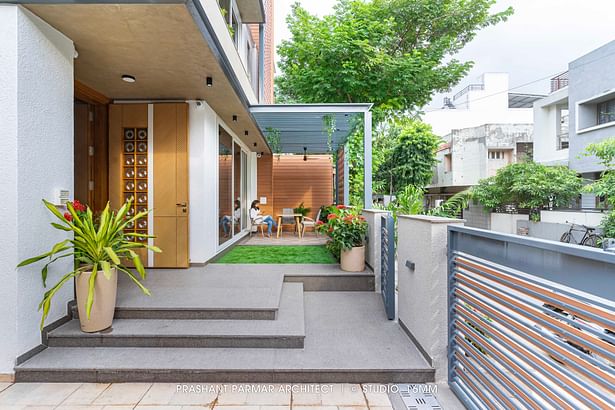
(422,287)
(372,249)
(36,119)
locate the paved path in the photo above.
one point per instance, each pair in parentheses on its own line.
(169,396)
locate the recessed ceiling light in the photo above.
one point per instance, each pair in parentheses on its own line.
(128,78)
(234,118)
(209,81)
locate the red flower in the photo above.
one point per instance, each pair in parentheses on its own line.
(78,206)
(331,216)
(361,217)
(341,207)
(68,216)
(320,223)
(330,229)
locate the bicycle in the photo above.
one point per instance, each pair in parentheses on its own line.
(589,237)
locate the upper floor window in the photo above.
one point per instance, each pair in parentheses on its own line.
(496,154)
(606,111)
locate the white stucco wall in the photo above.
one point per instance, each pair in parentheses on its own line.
(546,129)
(203,134)
(422,294)
(36,118)
(506,223)
(572,217)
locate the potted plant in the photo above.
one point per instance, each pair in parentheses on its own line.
(346,230)
(302,210)
(99,247)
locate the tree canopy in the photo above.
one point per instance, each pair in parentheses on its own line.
(393,53)
(529,185)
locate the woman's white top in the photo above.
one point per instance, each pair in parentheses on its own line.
(255,215)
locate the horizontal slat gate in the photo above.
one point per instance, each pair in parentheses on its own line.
(522,336)
(387,264)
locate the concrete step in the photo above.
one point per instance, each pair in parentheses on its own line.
(347,340)
(287,331)
(200,294)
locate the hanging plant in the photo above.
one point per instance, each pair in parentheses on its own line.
(328,122)
(273,139)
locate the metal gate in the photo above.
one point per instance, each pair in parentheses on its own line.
(531,322)
(387,264)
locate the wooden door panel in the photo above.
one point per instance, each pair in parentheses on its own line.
(82,141)
(166,239)
(183,260)
(182,160)
(165,158)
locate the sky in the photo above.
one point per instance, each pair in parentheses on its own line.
(537,41)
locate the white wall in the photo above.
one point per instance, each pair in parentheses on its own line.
(36,118)
(566,217)
(203,171)
(479,107)
(506,223)
(546,129)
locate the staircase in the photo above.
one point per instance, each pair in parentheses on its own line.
(237,323)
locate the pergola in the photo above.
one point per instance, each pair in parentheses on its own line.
(303,128)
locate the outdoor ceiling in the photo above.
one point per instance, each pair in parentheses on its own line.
(159,44)
(520,100)
(303,125)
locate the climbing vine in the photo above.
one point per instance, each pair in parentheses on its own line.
(273,139)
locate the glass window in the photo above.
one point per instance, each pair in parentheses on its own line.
(237,203)
(244,190)
(606,111)
(225,186)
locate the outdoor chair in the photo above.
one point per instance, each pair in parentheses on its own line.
(254,227)
(287,220)
(308,222)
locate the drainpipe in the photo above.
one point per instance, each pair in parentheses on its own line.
(261,62)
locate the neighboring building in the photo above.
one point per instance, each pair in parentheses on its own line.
(591,97)
(551,124)
(485,101)
(471,154)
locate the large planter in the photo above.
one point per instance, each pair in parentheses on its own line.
(353,260)
(103,308)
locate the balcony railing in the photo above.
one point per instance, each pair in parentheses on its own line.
(562,141)
(560,81)
(531,322)
(471,87)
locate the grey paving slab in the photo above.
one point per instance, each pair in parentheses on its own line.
(204,288)
(288,331)
(348,339)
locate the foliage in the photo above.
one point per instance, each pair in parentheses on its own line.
(393,53)
(528,185)
(345,227)
(406,155)
(608,225)
(97,247)
(328,123)
(605,186)
(605,152)
(302,210)
(268,254)
(452,207)
(273,139)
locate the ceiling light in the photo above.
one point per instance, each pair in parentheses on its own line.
(305,153)
(128,78)
(234,118)
(209,81)
(246,133)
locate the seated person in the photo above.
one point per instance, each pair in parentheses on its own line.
(258,218)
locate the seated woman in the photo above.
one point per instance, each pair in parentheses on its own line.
(257,217)
(225,221)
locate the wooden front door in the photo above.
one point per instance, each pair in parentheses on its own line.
(171,207)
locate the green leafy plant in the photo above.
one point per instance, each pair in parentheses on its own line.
(608,225)
(273,139)
(529,185)
(605,186)
(97,246)
(345,227)
(301,209)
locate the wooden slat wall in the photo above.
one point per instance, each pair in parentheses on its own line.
(340,176)
(296,181)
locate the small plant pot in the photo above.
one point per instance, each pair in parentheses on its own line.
(353,260)
(103,308)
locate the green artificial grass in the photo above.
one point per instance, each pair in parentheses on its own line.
(277,254)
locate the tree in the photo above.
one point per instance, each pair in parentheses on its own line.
(529,185)
(393,53)
(605,186)
(406,155)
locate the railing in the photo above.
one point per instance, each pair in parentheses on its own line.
(471,87)
(559,81)
(531,322)
(387,264)
(562,141)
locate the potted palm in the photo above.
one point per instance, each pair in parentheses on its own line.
(346,229)
(99,247)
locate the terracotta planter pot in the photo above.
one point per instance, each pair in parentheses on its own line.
(353,260)
(103,308)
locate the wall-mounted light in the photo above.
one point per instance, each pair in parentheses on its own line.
(128,78)
(234,118)
(209,81)
(305,153)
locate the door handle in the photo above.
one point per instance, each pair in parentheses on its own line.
(182,204)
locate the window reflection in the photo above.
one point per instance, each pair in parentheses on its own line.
(225,186)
